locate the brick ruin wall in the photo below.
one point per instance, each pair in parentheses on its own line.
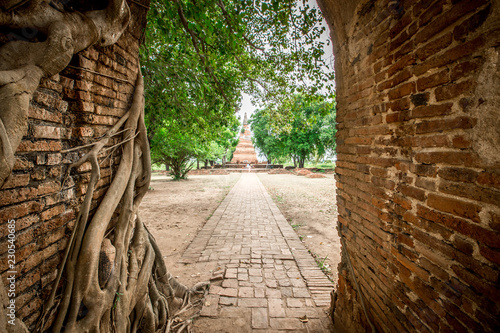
(418,171)
(68,110)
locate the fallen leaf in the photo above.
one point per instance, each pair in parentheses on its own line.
(304,319)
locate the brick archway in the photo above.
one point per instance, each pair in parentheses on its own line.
(418,163)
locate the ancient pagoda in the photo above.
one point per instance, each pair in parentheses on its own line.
(245,152)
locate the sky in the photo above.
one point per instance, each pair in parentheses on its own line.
(246,104)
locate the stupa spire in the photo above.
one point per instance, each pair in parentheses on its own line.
(245,119)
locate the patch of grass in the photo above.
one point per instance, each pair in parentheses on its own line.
(322,264)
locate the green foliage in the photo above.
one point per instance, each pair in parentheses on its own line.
(198,58)
(311,132)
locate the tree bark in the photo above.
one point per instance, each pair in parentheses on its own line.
(135,292)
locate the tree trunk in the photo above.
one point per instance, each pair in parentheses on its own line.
(197,164)
(206,164)
(134,292)
(167,167)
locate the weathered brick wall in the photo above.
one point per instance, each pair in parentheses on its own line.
(418,169)
(68,110)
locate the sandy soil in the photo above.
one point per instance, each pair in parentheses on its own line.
(309,205)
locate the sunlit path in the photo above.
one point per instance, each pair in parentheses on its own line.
(270,282)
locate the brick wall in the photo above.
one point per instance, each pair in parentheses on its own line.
(68,110)
(418,169)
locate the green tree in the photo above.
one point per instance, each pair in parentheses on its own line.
(179,146)
(311,131)
(199,56)
(268,143)
(175,148)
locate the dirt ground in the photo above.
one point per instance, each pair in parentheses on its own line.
(174,211)
(309,205)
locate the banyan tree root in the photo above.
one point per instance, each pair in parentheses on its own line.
(24,62)
(115,276)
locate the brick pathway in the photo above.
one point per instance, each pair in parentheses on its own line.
(267,281)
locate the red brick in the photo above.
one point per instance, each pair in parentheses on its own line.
(449,55)
(433,80)
(424,170)
(461,141)
(49,101)
(400,25)
(401,64)
(402,201)
(36,112)
(464,227)
(16,180)
(454,206)
(397,117)
(434,269)
(454,90)
(400,40)
(432,222)
(471,191)
(412,192)
(458,314)
(476,282)
(50,213)
(22,164)
(39,146)
(402,90)
(420,6)
(431,13)
(458,174)
(402,76)
(439,126)
(83,132)
(463,245)
(446,157)
(426,184)
(434,47)
(433,243)
(490,254)
(471,24)
(446,19)
(425,111)
(18,211)
(430,141)
(489,178)
(464,69)
(457,326)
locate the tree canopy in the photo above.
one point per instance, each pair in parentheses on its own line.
(311,133)
(200,56)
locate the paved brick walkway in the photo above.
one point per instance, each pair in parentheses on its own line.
(267,281)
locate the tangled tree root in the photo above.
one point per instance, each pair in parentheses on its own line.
(131,289)
(113,275)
